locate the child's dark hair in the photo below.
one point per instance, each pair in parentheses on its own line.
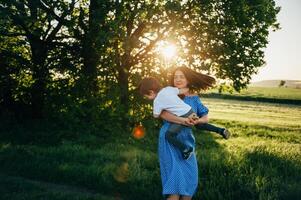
(148,84)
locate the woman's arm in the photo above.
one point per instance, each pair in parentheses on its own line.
(175,119)
(202,112)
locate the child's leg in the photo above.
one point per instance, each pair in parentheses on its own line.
(209,127)
(171,136)
(173,131)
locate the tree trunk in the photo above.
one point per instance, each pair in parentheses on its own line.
(91,46)
(123,82)
(40,75)
(90,61)
(6,97)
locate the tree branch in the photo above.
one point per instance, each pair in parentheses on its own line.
(50,11)
(130,22)
(138,32)
(61,19)
(142,54)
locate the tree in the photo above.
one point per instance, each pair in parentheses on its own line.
(13,64)
(39,24)
(111,41)
(282,83)
(91,33)
(112,44)
(224,38)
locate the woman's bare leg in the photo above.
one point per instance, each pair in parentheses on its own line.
(173,197)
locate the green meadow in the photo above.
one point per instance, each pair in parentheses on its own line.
(283,95)
(262,159)
(272,92)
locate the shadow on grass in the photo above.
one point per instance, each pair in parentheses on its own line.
(125,168)
(18,188)
(212,165)
(275,176)
(119,169)
(255,174)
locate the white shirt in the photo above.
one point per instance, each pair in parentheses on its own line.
(168,99)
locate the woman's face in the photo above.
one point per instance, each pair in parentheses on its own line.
(180,80)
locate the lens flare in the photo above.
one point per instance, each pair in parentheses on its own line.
(138,131)
(122,173)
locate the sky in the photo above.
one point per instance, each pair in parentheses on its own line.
(283,53)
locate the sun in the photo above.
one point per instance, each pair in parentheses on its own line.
(168,50)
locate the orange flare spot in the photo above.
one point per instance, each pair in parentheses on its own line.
(138,132)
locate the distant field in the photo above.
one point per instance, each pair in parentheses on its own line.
(275,83)
(262,160)
(263,94)
(279,93)
(254,113)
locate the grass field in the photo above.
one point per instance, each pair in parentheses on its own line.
(262,93)
(262,160)
(276,92)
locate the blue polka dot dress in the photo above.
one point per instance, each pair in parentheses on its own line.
(179,176)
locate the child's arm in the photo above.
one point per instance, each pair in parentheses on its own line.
(175,119)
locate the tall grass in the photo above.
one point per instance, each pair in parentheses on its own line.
(262,160)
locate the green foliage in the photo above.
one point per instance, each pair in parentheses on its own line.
(43,44)
(222,88)
(85,58)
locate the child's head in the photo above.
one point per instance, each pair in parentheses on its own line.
(149,87)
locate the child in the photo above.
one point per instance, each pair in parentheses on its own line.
(167,99)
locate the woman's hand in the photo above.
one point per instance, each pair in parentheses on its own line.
(188,121)
(175,119)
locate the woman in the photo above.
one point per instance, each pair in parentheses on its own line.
(183,77)
(179,176)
